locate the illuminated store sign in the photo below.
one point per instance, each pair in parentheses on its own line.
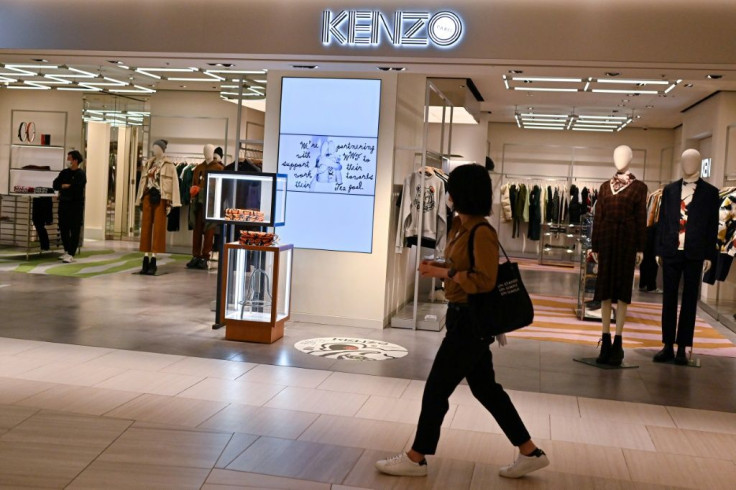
(442,29)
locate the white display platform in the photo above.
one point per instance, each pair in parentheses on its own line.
(430,316)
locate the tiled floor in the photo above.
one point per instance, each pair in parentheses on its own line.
(103,385)
(233,425)
(170,315)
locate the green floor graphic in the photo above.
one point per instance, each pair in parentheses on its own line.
(86,264)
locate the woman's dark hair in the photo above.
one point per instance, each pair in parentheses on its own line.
(470,189)
(76,156)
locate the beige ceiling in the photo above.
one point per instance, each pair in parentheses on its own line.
(499,103)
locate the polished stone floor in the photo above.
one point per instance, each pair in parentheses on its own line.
(119,381)
(170,314)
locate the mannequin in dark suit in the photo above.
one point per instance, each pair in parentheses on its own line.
(689,216)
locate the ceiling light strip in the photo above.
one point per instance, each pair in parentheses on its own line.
(543,79)
(613,91)
(633,82)
(545,89)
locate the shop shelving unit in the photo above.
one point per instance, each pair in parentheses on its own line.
(16,227)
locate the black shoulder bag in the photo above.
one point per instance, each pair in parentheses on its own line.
(508,306)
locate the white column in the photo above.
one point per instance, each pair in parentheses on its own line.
(97,167)
(122,173)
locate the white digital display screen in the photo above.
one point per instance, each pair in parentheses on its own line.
(328,142)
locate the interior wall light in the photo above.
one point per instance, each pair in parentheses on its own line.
(713,76)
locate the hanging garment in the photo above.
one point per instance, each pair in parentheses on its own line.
(548,215)
(585,201)
(575,206)
(535,213)
(726,241)
(506,213)
(525,214)
(555,207)
(619,232)
(513,192)
(434,219)
(519,211)
(542,204)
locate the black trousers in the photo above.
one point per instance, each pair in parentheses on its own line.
(71,215)
(42,215)
(673,270)
(649,268)
(461,355)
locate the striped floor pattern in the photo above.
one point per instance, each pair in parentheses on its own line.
(555,320)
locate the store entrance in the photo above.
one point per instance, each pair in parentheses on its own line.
(116,131)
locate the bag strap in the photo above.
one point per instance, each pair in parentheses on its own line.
(471,245)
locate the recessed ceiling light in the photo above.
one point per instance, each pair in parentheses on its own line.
(613,73)
(398,68)
(115,62)
(516,72)
(223,65)
(182,86)
(688,85)
(713,76)
(382,68)
(305,67)
(40,60)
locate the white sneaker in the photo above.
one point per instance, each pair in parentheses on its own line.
(68,259)
(64,256)
(524,465)
(401,465)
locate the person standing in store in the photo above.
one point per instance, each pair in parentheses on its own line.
(462,353)
(70,184)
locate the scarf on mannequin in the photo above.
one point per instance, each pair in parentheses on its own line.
(621,181)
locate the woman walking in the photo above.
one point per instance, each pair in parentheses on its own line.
(462,353)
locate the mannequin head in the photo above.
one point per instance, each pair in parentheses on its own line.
(159,148)
(209,152)
(622,157)
(690,164)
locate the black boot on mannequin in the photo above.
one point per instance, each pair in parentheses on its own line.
(152,267)
(666,354)
(144,268)
(681,356)
(605,349)
(617,351)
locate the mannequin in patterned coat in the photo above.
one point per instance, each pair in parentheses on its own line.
(619,238)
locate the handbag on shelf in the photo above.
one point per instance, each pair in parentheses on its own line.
(507,307)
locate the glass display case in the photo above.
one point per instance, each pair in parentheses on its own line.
(559,244)
(246,198)
(256,291)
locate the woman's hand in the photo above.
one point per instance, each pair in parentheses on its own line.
(430,269)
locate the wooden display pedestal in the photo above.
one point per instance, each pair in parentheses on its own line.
(257,285)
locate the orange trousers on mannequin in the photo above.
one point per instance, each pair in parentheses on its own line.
(153,226)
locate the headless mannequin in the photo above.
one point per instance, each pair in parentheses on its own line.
(690,165)
(158,154)
(622,157)
(203,235)
(674,330)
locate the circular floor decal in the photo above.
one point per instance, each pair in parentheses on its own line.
(351,349)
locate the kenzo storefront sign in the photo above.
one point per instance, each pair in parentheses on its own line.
(371,28)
